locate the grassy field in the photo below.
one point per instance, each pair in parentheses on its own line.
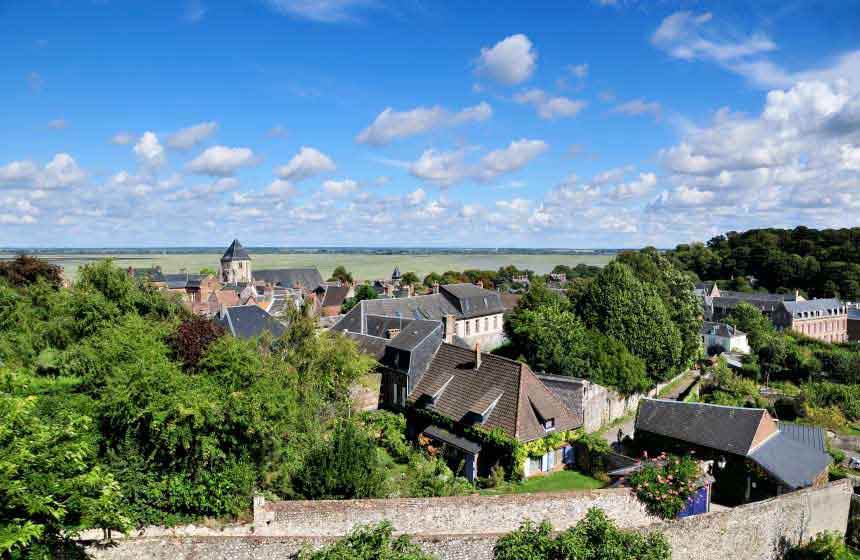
(363,266)
(556,482)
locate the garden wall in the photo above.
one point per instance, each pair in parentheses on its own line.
(753,532)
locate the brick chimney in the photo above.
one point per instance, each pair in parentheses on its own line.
(477,356)
(450,329)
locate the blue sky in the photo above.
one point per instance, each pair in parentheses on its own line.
(479,124)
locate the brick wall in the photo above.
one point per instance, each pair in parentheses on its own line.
(753,532)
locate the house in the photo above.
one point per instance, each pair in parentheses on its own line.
(333,298)
(469,313)
(823,319)
(473,389)
(752,455)
(725,337)
(853,324)
(248,321)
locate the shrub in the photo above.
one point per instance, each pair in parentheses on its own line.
(594,538)
(665,484)
(192,338)
(826,546)
(371,542)
(344,468)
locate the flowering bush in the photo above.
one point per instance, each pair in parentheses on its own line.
(665,484)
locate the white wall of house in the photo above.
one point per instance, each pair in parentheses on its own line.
(737,343)
(488,330)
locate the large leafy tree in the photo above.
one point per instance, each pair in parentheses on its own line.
(24,270)
(750,320)
(340,273)
(50,485)
(621,306)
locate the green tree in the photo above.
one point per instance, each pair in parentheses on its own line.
(208,271)
(410,278)
(51,486)
(751,321)
(363,292)
(340,273)
(621,306)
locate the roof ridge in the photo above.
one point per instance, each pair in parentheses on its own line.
(673,401)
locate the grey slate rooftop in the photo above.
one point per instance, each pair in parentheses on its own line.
(235,252)
(790,461)
(823,306)
(307,278)
(249,321)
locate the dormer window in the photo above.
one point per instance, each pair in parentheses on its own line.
(549,424)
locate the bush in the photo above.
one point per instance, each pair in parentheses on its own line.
(371,542)
(192,338)
(826,546)
(665,484)
(344,468)
(594,538)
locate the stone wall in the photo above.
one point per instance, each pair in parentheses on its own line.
(440,516)
(756,531)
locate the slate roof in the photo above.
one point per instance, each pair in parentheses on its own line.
(501,393)
(794,464)
(727,428)
(370,345)
(569,390)
(308,278)
(396,274)
(249,321)
(473,301)
(438,433)
(854,314)
(335,296)
(825,306)
(152,274)
(720,329)
(182,280)
(463,301)
(235,252)
(794,454)
(810,436)
(414,333)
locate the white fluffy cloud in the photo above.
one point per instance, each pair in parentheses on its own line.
(187,138)
(340,188)
(221,161)
(392,125)
(444,168)
(506,160)
(549,107)
(510,61)
(281,188)
(149,151)
(307,163)
(687,36)
(62,171)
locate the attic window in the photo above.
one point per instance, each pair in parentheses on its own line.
(549,424)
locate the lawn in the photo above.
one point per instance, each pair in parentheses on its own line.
(555,482)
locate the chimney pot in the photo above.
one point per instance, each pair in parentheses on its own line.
(477,355)
(450,328)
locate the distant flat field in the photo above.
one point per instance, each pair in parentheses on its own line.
(362,266)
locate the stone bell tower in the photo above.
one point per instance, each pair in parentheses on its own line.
(235,264)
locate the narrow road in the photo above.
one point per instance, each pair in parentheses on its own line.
(611,434)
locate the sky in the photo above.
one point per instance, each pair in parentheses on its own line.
(578,124)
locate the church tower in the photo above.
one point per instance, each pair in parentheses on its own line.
(235,264)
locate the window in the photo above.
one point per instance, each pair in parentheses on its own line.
(486,324)
(549,424)
(458,329)
(477,325)
(495,322)
(467,328)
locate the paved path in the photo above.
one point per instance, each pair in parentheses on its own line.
(611,435)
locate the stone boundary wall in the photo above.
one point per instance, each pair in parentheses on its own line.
(758,531)
(443,516)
